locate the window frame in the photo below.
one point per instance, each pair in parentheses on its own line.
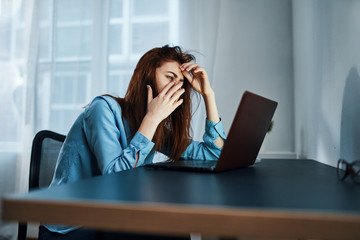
(102,64)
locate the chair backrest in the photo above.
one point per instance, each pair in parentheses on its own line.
(44,153)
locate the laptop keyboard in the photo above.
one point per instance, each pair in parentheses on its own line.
(201,163)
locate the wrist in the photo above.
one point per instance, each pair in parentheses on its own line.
(211,109)
(148,126)
(208,95)
(151,119)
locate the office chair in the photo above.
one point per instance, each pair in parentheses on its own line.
(44,153)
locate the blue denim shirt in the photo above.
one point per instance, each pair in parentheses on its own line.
(100,142)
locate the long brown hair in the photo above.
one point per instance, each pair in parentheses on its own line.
(173,134)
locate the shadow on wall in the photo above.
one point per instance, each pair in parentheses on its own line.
(350,118)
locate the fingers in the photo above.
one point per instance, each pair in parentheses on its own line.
(191,66)
(150,94)
(167,88)
(175,97)
(178,103)
(166,102)
(187,75)
(194,68)
(174,89)
(170,94)
(188,66)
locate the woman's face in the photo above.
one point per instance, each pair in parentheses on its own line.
(167,73)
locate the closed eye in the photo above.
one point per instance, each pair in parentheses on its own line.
(170,77)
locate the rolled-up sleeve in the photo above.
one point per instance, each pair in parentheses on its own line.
(206,150)
(104,134)
(140,144)
(213,131)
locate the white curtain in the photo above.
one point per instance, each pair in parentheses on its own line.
(57,55)
(16,21)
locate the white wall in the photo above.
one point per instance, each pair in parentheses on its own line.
(326,77)
(254,52)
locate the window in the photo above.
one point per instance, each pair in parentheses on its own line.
(88,48)
(85,48)
(134,27)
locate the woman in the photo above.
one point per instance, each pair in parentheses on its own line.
(114,134)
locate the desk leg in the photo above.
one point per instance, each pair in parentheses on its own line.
(22,230)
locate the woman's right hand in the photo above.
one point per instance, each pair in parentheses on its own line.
(165,102)
(160,107)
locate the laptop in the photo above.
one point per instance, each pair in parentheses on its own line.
(247,132)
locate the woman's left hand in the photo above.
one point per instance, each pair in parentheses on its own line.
(199,79)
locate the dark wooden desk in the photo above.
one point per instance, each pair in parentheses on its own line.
(273,199)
